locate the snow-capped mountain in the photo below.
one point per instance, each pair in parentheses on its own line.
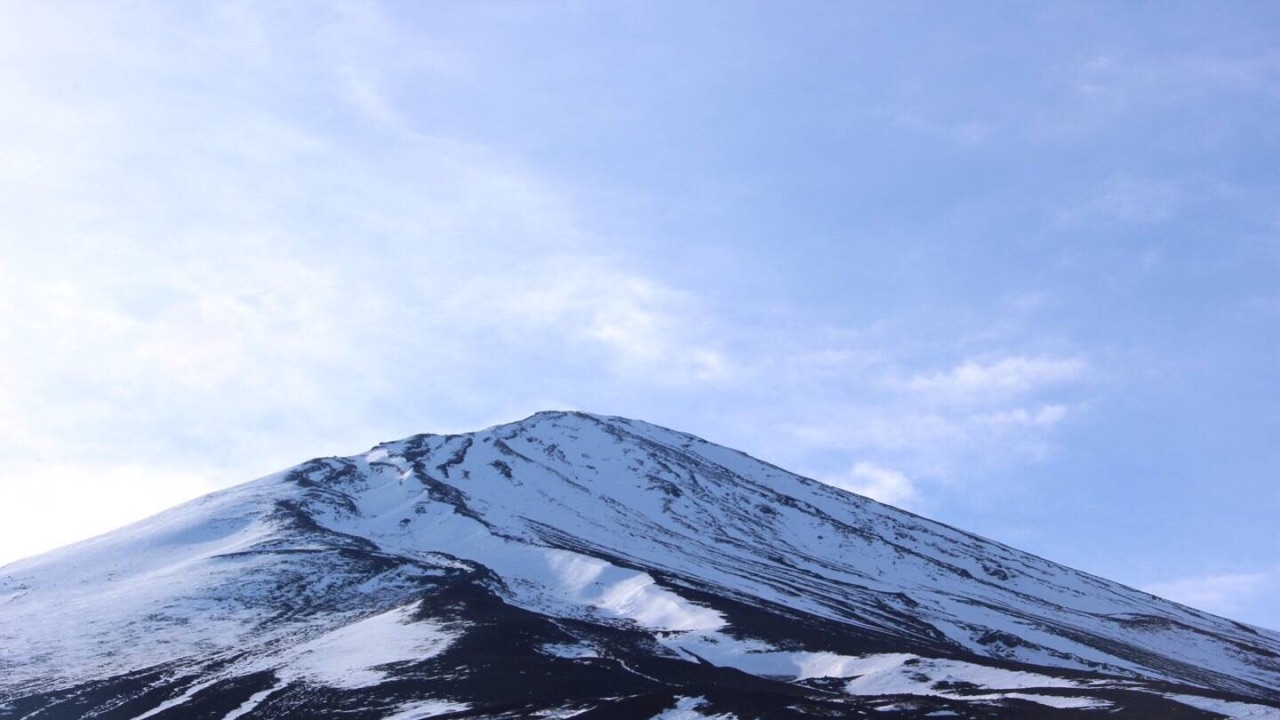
(571,565)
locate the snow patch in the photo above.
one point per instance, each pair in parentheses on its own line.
(572,652)
(426,709)
(253,702)
(823,665)
(687,709)
(1233,710)
(174,702)
(1053,701)
(883,674)
(626,593)
(349,656)
(563,713)
(894,675)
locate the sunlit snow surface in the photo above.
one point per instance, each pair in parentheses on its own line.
(314,575)
(425,709)
(687,709)
(347,657)
(1227,708)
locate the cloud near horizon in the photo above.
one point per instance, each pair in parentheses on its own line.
(878,483)
(1228,594)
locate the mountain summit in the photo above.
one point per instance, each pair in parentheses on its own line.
(573,565)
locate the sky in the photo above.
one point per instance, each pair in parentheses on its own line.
(1012,266)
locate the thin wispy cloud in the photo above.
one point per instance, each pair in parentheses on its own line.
(1224,594)
(1128,200)
(878,483)
(978,383)
(235,235)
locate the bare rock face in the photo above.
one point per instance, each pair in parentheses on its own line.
(572,565)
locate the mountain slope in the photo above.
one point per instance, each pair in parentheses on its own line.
(571,563)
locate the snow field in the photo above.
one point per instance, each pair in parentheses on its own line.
(687,709)
(349,656)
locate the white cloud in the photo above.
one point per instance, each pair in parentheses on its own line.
(990,410)
(253,250)
(1129,200)
(1244,596)
(979,382)
(879,483)
(210,269)
(1045,416)
(1208,591)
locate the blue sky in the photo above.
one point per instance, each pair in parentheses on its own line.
(1013,266)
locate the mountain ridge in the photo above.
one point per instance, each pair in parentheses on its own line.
(612,543)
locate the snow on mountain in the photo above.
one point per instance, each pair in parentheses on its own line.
(571,564)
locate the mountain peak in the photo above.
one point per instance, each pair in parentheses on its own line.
(554,420)
(616,559)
